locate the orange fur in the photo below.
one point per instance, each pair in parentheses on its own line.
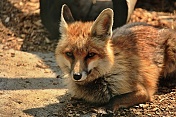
(120,68)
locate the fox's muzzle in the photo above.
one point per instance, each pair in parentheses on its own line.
(79,72)
(77,76)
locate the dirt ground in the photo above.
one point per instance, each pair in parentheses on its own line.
(31,84)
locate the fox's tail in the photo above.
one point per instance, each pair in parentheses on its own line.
(170,53)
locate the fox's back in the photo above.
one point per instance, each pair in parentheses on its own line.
(144,41)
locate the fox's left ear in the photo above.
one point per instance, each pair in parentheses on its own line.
(66,18)
(102,27)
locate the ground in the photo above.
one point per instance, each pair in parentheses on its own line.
(31,84)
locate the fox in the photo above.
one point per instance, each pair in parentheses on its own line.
(119,68)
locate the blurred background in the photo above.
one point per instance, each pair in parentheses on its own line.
(32,25)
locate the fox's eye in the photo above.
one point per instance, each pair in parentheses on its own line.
(90,55)
(69,54)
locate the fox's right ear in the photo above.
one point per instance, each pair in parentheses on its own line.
(66,18)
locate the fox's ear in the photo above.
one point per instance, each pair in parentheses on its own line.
(66,18)
(102,27)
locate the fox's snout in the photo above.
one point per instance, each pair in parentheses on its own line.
(79,76)
(79,71)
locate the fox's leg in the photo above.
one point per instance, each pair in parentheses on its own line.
(130,99)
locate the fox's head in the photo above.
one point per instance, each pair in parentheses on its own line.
(84,52)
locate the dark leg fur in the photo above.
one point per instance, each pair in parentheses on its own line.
(129,99)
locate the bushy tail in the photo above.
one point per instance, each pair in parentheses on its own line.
(170,53)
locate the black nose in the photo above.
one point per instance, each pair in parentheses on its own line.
(77,76)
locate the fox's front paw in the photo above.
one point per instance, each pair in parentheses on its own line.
(115,108)
(111,107)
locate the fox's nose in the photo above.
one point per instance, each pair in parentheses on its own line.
(77,76)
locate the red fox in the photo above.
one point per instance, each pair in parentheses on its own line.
(120,68)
